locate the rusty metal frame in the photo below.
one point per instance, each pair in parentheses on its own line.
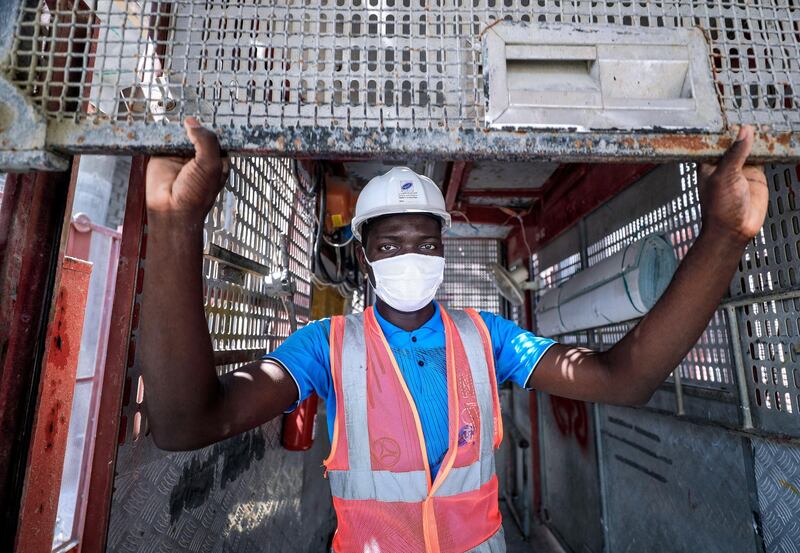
(32,241)
(394,143)
(118,358)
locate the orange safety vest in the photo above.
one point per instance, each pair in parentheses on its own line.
(378,468)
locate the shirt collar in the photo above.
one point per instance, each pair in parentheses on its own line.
(434,324)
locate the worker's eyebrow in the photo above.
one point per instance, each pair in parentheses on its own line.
(403,236)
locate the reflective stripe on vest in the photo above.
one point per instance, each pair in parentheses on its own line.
(495,544)
(467,475)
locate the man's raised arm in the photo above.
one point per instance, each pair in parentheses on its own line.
(734,199)
(187,405)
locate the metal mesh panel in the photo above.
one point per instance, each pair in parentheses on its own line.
(559,272)
(392,62)
(554,275)
(366,64)
(467,282)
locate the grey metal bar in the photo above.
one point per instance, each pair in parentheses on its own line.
(738,362)
(676,381)
(762,298)
(238,261)
(601,467)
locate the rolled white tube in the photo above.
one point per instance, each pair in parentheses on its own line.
(621,287)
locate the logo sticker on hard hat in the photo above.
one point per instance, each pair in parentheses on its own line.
(408,192)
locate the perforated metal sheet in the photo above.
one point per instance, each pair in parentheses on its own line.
(262,201)
(769,326)
(297,76)
(769,342)
(709,363)
(467,282)
(772,260)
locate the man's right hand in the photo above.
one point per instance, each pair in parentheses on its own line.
(186,188)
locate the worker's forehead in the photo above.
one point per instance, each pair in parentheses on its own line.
(408,223)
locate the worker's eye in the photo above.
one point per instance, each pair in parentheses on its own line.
(386,247)
(428,246)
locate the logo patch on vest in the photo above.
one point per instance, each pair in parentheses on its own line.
(466,435)
(385,452)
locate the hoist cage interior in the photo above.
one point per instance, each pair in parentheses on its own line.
(367,77)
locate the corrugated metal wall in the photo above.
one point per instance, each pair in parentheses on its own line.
(722,474)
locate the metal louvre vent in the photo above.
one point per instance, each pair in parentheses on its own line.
(467,282)
(295,75)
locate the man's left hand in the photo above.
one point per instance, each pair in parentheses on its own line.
(733,195)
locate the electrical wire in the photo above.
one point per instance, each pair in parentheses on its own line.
(334,244)
(464,215)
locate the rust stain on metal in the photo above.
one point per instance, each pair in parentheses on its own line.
(485,29)
(789,486)
(54,404)
(687,142)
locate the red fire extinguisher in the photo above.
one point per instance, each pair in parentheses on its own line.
(299,426)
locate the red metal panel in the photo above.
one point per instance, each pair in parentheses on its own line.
(31,241)
(570,197)
(56,386)
(113,384)
(459,173)
(503,192)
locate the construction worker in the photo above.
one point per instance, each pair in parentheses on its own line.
(411,388)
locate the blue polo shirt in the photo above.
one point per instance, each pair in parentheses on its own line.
(420,356)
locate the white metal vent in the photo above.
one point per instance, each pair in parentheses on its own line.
(546,75)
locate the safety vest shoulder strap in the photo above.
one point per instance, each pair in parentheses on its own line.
(478,345)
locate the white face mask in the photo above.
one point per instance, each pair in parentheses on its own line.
(408,282)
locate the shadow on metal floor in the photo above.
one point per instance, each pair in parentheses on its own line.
(541,540)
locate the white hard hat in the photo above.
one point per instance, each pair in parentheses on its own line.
(400,190)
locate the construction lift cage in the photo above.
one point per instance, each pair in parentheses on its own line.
(447,80)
